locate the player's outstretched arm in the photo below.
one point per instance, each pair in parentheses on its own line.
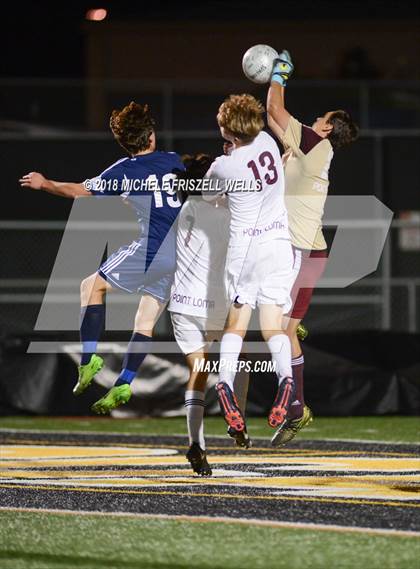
(277,115)
(36,181)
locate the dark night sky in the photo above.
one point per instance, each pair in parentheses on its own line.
(45,39)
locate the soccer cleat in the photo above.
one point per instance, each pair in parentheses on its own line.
(229,407)
(86,374)
(282,402)
(197,457)
(115,397)
(288,430)
(301,332)
(241,437)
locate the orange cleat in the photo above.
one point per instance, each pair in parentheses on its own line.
(282,402)
(229,407)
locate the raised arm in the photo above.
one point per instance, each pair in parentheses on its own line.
(277,115)
(37,181)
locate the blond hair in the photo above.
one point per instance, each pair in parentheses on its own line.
(241,115)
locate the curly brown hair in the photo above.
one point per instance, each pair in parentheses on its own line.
(241,115)
(344,129)
(132,127)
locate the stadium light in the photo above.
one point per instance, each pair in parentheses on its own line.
(96,14)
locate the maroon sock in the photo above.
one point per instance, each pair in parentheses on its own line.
(296,409)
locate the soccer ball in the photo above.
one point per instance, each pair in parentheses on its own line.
(257,63)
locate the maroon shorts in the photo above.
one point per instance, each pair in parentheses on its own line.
(309,266)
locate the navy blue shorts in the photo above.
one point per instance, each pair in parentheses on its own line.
(126,269)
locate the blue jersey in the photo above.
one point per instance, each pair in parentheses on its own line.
(146,182)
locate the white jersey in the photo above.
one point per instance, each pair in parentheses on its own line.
(202,239)
(261,214)
(259,262)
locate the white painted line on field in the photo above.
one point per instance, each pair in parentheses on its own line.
(369,441)
(223,519)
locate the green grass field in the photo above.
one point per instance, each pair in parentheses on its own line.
(50,541)
(387,429)
(31,540)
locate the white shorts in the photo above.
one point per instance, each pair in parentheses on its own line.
(261,274)
(193,333)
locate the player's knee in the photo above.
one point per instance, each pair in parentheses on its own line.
(89,286)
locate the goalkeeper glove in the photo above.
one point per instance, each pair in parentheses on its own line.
(283,68)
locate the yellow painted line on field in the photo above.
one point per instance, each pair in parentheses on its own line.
(76,451)
(72,473)
(281,498)
(20,456)
(222,519)
(81,442)
(393,487)
(287,451)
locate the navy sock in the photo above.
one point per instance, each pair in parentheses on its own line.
(136,352)
(92,318)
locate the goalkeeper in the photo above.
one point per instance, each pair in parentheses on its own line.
(308,152)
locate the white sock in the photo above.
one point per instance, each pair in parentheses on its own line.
(241,389)
(230,348)
(194,404)
(281,354)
